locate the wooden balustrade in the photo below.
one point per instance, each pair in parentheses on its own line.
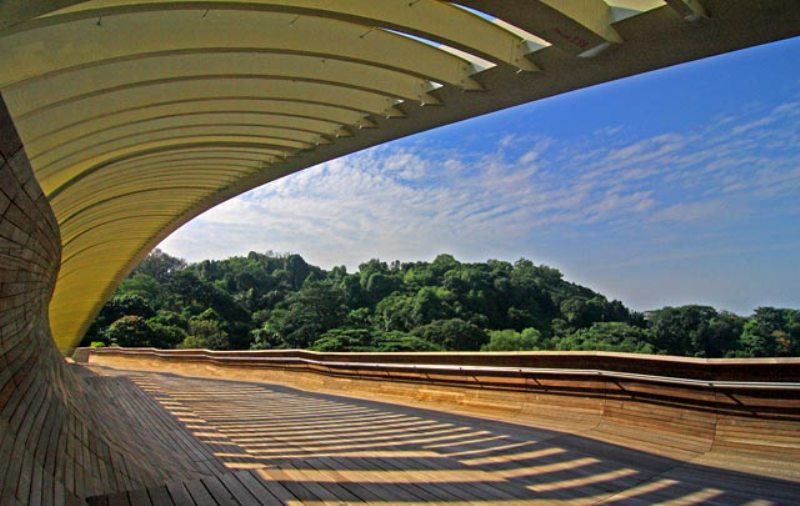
(669,405)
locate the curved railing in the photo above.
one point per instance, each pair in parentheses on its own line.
(747,373)
(687,381)
(661,404)
(769,373)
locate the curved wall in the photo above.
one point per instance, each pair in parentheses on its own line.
(59,441)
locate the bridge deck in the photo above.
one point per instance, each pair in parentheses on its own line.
(282,445)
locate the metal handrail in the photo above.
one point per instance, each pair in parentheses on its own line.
(650,378)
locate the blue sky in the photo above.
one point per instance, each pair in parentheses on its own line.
(678,186)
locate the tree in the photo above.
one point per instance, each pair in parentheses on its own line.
(378,286)
(419,276)
(298,270)
(453,334)
(430,304)
(165,336)
(531,304)
(129,331)
(722,337)
(354,296)
(581,312)
(394,341)
(396,312)
(207,334)
(359,317)
(608,336)
(268,300)
(144,286)
(313,310)
(443,263)
(121,304)
(169,318)
(682,330)
(367,269)
(529,339)
(344,340)
(127,305)
(159,265)
(772,332)
(269,335)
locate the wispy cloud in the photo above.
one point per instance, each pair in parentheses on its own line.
(689,211)
(506,199)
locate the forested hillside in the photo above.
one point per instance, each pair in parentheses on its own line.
(265,301)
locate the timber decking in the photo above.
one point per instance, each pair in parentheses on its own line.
(683,409)
(283,445)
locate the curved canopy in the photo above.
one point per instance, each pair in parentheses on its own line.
(138,115)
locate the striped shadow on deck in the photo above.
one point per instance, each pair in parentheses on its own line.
(282,445)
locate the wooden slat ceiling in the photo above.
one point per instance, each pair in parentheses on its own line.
(138,115)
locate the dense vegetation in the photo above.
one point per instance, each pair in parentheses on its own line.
(265,301)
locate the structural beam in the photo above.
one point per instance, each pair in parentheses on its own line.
(138,115)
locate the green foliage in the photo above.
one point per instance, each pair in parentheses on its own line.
(279,301)
(453,334)
(143,286)
(394,341)
(192,343)
(165,336)
(529,339)
(771,332)
(345,340)
(129,331)
(681,328)
(265,338)
(207,334)
(159,266)
(97,344)
(608,336)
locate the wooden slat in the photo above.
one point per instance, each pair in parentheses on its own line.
(178,493)
(241,493)
(218,491)
(257,489)
(159,496)
(276,489)
(199,493)
(329,450)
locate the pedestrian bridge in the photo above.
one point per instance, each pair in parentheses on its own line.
(467,428)
(138,115)
(120,120)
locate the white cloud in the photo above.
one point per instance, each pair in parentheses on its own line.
(690,211)
(522,195)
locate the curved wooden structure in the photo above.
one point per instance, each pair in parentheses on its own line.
(61,439)
(138,115)
(120,120)
(652,429)
(290,445)
(667,405)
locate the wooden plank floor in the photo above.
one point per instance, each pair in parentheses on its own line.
(285,446)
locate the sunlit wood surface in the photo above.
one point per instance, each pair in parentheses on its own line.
(282,445)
